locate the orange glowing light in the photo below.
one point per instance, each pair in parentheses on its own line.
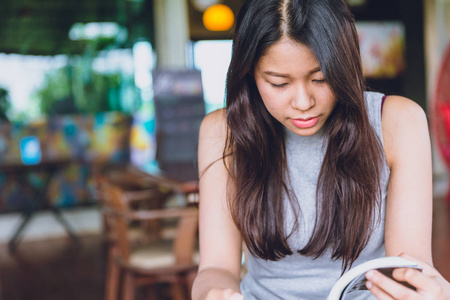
(218,17)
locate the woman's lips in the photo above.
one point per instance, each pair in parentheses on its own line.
(305,123)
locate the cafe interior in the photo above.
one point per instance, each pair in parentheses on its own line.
(100,106)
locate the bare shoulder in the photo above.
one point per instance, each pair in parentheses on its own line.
(214,124)
(397,110)
(212,138)
(404,124)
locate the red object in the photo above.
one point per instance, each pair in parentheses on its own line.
(441,109)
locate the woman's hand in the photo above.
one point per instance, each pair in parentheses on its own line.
(227,294)
(429,283)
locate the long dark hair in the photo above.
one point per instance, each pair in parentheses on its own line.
(348,190)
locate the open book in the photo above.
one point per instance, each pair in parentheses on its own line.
(355,280)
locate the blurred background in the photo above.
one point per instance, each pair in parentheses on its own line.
(90,84)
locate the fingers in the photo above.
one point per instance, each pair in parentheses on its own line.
(416,278)
(229,294)
(377,292)
(236,296)
(427,269)
(385,288)
(429,282)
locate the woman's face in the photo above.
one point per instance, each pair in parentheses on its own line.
(292,87)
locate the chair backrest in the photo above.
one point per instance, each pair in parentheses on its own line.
(119,215)
(114,210)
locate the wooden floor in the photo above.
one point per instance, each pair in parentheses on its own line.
(59,270)
(53,270)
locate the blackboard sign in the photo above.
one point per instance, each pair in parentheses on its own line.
(179,110)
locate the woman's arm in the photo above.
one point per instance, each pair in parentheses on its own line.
(220,241)
(409,198)
(409,203)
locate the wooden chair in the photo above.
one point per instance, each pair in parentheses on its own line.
(143,192)
(141,195)
(162,260)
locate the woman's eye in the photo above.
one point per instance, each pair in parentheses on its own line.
(319,80)
(278,85)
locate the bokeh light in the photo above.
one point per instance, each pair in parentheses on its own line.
(218,17)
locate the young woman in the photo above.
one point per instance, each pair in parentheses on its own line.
(304,167)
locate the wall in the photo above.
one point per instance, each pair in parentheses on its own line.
(437,36)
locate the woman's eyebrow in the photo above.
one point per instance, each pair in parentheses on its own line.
(271,73)
(276,74)
(314,70)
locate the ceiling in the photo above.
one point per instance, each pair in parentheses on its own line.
(40,27)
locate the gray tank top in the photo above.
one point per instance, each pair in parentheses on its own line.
(297,276)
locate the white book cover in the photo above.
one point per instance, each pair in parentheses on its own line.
(355,280)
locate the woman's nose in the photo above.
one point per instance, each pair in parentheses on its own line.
(302,99)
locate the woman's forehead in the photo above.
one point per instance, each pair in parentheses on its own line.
(289,55)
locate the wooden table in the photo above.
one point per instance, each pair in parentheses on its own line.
(40,195)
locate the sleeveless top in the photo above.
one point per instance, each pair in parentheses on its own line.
(302,277)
